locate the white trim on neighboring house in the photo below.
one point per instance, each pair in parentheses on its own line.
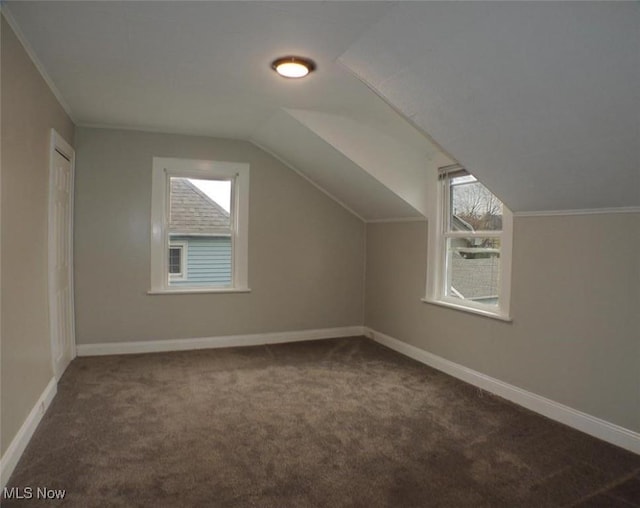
(6,12)
(583,211)
(258,339)
(17,446)
(184,253)
(597,427)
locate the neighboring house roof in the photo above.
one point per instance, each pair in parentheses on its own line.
(488,223)
(193,212)
(475,278)
(460,224)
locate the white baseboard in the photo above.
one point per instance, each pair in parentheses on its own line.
(157,346)
(11,457)
(584,422)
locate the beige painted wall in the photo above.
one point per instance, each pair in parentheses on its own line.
(29,111)
(575,336)
(306,252)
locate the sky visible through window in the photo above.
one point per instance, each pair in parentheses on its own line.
(473,263)
(218,190)
(473,203)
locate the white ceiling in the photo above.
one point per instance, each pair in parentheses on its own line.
(541,101)
(193,67)
(204,68)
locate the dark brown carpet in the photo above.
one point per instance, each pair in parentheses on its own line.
(329,423)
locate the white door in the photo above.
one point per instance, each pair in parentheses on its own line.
(61,317)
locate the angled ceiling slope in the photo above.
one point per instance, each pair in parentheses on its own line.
(395,154)
(318,161)
(203,68)
(541,100)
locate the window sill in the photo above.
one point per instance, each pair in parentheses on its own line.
(189,291)
(479,312)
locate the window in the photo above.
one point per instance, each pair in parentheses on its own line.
(470,257)
(177,258)
(199,226)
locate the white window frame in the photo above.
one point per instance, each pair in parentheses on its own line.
(183,246)
(163,169)
(437,254)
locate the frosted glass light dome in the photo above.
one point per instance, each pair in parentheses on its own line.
(293,66)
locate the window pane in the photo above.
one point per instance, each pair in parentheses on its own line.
(199,217)
(473,269)
(175,254)
(473,206)
(199,206)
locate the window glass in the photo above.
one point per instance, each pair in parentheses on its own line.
(473,206)
(200,217)
(473,269)
(473,245)
(199,226)
(175,260)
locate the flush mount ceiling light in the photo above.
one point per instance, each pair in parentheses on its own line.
(293,66)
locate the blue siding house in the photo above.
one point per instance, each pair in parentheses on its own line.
(200,250)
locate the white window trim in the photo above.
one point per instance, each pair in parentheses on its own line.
(183,275)
(163,168)
(436,261)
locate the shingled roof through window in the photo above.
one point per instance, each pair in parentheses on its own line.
(193,212)
(475,278)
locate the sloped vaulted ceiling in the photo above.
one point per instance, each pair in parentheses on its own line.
(357,159)
(315,158)
(541,100)
(204,68)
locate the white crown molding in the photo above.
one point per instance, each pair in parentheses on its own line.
(20,441)
(155,130)
(296,170)
(583,211)
(36,61)
(399,219)
(157,346)
(601,429)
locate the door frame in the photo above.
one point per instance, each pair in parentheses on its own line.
(58,144)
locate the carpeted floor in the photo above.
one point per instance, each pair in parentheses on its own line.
(331,423)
